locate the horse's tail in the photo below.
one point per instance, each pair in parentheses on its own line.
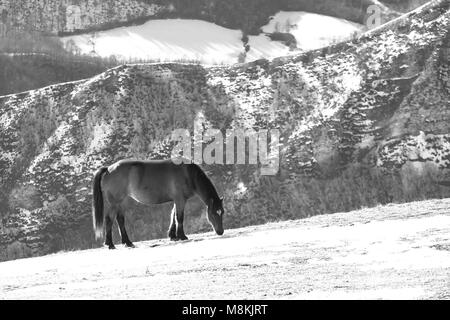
(444,183)
(97,204)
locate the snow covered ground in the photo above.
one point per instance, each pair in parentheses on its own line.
(166,40)
(312,31)
(183,39)
(391,252)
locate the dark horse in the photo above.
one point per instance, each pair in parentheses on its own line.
(152,182)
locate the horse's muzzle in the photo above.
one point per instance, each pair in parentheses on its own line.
(220,232)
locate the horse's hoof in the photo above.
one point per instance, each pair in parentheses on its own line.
(172,235)
(182,238)
(173,239)
(111,247)
(130,245)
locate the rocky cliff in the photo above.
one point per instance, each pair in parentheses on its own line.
(362,123)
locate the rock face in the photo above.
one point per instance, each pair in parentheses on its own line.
(68,16)
(361,123)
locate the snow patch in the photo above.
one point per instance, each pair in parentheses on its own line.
(184,39)
(311,30)
(165,40)
(100,133)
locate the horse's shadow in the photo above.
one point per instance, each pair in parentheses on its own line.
(167,243)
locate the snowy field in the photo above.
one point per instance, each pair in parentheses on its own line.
(391,252)
(312,31)
(183,39)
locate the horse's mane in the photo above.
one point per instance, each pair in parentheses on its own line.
(203,185)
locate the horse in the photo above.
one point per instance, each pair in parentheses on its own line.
(151,182)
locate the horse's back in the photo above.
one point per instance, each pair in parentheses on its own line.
(150,181)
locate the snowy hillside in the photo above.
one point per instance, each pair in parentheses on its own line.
(165,40)
(64,17)
(391,252)
(181,39)
(313,31)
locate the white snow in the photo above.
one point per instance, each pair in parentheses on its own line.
(262,47)
(391,252)
(312,31)
(166,40)
(208,43)
(100,133)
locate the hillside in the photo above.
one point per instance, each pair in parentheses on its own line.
(29,27)
(391,252)
(172,40)
(21,72)
(32,56)
(362,123)
(80,16)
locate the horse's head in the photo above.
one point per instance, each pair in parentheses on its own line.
(215,213)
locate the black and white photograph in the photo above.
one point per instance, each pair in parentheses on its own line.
(221,151)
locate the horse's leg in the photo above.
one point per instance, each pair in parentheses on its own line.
(108,224)
(172,229)
(179,205)
(123,232)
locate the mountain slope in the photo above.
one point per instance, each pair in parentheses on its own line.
(81,16)
(362,123)
(173,40)
(183,39)
(22,72)
(391,252)
(29,27)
